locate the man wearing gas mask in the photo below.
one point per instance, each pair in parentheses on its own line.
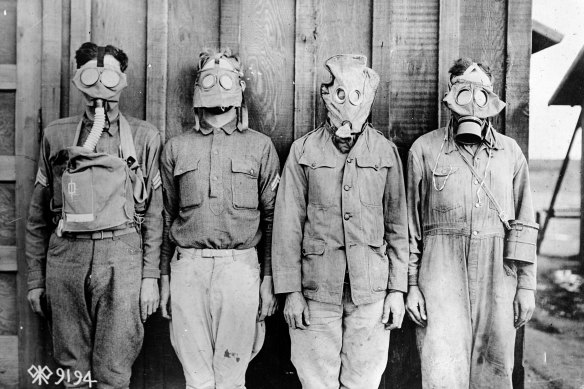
(340,246)
(220,182)
(95,228)
(468,200)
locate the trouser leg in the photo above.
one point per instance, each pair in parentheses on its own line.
(234,308)
(493,327)
(316,351)
(68,264)
(445,343)
(116,279)
(191,325)
(365,344)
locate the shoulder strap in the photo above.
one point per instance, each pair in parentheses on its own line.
(77,133)
(502,214)
(128,151)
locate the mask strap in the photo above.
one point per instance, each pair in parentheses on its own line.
(100,55)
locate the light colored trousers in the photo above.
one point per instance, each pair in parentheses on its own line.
(345,346)
(214,302)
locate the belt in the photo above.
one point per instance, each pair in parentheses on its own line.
(97,235)
(216,252)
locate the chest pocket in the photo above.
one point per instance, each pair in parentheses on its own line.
(190,182)
(323,183)
(447,189)
(372,175)
(244,183)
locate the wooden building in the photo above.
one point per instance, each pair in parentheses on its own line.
(283,44)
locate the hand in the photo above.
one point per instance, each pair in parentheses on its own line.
(523,306)
(416,306)
(35,298)
(295,310)
(394,306)
(148,297)
(165,296)
(268,302)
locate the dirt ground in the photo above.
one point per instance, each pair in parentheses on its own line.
(554,350)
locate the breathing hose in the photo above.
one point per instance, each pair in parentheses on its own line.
(97,128)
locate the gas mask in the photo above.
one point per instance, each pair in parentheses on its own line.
(101,81)
(471,98)
(218,84)
(349,95)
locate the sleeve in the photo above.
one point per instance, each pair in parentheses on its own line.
(289,217)
(396,225)
(526,271)
(152,224)
(171,208)
(268,185)
(414,180)
(39,225)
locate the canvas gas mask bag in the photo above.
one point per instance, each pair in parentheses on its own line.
(471,97)
(350,93)
(102,191)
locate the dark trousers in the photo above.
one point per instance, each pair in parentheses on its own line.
(93,293)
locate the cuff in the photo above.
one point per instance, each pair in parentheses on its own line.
(413,278)
(287,282)
(36,279)
(525,282)
(151,273)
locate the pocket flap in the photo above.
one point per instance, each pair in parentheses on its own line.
(378,247)
(313,247)
(442,171)
(315,162)
(187,164)
(374,162)
(245,166)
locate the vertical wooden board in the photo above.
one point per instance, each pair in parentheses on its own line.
(342,27)
(305,67)
(483,26)
(7,215)
(230,24)
(7,105)
(80,32)
(266,48)
(191,27)
(448,51)
(413,69)
(157,61)
(8,31)
(28,104)
(51,74)
(380,59)
(9,362)
(517,68)
(8,317)
(65,57)
(123,24)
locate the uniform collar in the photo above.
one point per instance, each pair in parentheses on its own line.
(490,141)
(205,128)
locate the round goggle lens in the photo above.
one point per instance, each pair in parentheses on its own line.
(464,97)
(226,82)
(340,95)
(208,81)
(109,78)
(89,77)
(480,97)
(355,97)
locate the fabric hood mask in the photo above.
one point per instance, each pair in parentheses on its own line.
(349,95)
(471,97)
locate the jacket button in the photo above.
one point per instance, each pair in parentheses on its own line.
(349,160)
(251,171)
(376,167)
(475,232)
(346,187)
(347,216)
(313,164)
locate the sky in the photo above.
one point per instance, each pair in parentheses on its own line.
(551,127)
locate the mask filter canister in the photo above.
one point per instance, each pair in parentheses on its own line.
(469,130)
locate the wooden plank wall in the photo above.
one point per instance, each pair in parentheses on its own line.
(283,44)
